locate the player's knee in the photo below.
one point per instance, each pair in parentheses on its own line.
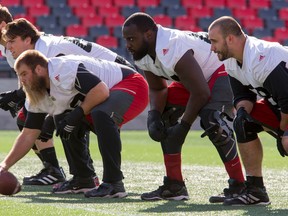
(216,128)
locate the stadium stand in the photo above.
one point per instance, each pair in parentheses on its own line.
(94,19)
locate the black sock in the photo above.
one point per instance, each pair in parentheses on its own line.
(256,181)
(49,156)
(38,153)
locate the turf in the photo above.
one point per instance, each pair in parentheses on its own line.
(143,169)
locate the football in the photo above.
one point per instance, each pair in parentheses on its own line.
(9,184)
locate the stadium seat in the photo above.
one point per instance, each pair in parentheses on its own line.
(281,34)
(30,3)
(242,13)
(214,3)
(62,10)
(17,10)
(92,20)
(163,20)
(267,13)
(252,23)
(279,4)
(108,11)
(123,3)
(117,32)
(236,4)
(148,3)
(84,10)
(8,3)
(283,14)
(128,10)
(204,22)
(256,4)
(199,12)
(113,21)
(55,3)
(97,31)
(107,41)
(176,11)
(191,4)
(153,11)
(38,10)
(26,16)
(55,30)
(218,12)
(274,23)
(76,31)
(68,19)
(77,3)
(99,3)
(262,33)
(185,22)
(47,20)
(169,3)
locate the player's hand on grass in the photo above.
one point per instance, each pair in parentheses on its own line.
(66,126)
(155,125)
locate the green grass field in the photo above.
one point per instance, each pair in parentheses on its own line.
(144,170)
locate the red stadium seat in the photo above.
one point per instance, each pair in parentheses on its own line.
(236,4)
(123,3)
(107,41)
(163,20)
(99,3)
(199,12)
(185,22)
(281,34)
(30,3)
(242,13)
(214,3)
(252,23)
(192,3)
(84,10)
(256,4)
(38,10)
(283,14)
(113,21)
(8,3)
(108,11)
(92,20)
(76,31)
(147,3)
(29,18)
(78,3)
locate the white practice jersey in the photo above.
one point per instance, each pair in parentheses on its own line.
(62,73)
(52,46)
(7,54)
(171,45)
(259,59)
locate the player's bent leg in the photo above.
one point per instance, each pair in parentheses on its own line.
(221,135)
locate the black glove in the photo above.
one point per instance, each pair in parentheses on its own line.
(239,122)
(47,129)
(280,147)
(66,126)
(155,125)
(12,101)
(176,134)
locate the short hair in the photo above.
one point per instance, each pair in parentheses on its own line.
(143,21)
(31,58)
(5,15)
(228,25)
(22,28)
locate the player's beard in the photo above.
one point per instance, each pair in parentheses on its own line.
(142,51)
(36,91)
(224,54)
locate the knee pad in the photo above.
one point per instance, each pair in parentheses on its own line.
(251,130)
(216,128)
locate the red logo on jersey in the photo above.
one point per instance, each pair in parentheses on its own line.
(165,51)
(261,57)
(57,77)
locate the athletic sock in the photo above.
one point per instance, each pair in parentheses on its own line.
(49,156)
(234,169)
(173,166)
(256,181)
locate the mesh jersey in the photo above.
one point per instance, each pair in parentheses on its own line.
(52,46)
(259,59)
(171,45)
(6,53)
(62,72)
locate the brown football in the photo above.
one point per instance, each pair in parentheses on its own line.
(9,184)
